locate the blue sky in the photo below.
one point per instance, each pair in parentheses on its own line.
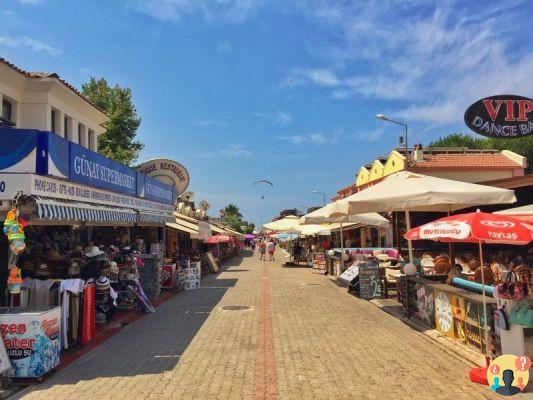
(240,90)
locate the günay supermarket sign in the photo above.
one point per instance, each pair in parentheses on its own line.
(502,117)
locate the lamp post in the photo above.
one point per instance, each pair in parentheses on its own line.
(384,118)
(323,196)
(407,217)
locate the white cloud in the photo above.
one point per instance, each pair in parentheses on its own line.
(236,151)
(24,42)
(30,2)
(436,58)
(229,11)
(313,138)
(210,123)
(370,136)
(283,118)
(233,151)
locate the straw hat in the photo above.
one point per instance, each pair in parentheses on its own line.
(113,268)
(93,251)
(102,284)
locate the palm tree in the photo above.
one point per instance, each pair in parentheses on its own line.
(232,209)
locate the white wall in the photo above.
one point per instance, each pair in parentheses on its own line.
(35,98)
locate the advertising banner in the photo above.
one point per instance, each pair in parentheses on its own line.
(93,169)
(32,341)
(503,116)
(30,184)
(158,191)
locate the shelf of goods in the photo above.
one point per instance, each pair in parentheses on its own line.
(150,275)
(319,264)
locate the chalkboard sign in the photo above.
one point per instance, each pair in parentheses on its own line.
(370,281)
(349,275)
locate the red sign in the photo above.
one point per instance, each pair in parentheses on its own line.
(503,117)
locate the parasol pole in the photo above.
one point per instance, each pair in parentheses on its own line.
(342,248)
(409,242)
(486,334)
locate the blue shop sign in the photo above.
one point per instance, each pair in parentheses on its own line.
(93,169)
(158,191)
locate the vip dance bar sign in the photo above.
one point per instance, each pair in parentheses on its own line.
(501,117)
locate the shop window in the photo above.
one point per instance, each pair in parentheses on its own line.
(7,110)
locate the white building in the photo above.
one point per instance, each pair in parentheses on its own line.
(44,101)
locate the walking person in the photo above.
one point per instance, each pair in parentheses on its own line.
(262,250)
(271,248)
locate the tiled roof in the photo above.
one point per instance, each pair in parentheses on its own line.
(464,161)
(41,75)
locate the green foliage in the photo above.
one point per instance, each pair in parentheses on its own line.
(232,221)
(460,140)
(250,228)
(522,146)
(118,142)
(232,209)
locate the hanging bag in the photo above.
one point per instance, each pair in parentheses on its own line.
(512,288)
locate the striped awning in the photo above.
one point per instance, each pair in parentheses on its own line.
(155,218)
(68,210)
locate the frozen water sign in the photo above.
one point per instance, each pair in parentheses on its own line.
(502,117)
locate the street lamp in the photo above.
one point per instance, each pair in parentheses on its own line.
(384,118)
(323,195)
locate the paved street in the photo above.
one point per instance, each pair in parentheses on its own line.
(300,337)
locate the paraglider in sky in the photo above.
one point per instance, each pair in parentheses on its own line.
(260,183)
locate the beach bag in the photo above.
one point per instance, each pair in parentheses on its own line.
(512,289)
(522,314)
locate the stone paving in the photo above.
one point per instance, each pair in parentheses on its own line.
(302,337)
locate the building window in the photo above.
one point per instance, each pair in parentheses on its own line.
(7,110)
(92,140)
(53,126)
(80,127)
(65,127)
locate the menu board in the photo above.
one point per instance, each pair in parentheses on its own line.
(350,274)
(370,281)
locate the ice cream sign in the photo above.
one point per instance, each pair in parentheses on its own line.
(502,117)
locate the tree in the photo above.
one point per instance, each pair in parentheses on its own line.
(460,140)
(118,142)
(250,228)
(232,209)
(232,221)
(522,146)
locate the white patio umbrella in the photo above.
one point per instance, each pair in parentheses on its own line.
(408,191)
(328,214)
(524,213)
(284,224)
(314,229)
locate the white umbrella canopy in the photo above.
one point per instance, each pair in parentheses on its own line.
(408,191)
(286,224)
(310,230)
(329,213)
(524,213)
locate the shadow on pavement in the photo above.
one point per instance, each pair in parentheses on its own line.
(154,343)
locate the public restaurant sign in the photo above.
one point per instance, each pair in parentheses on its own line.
(502,117)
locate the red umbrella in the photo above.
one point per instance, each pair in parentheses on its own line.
(476,227)
(218,239)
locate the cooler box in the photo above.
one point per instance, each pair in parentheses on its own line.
(32,339)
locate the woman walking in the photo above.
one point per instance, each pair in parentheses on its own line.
(262,250)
